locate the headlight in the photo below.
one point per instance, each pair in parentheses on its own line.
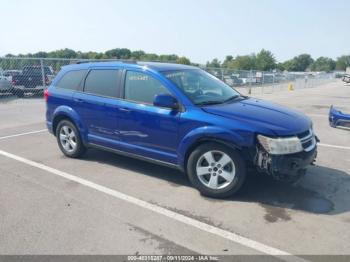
(280,146)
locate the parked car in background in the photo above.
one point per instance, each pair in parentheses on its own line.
(249,80)
(346,78)
(268,78)
(338,118)
(32,79)
(179,116)
(339,74)
(5,85)
(280,78)
(232,80)
(10,73)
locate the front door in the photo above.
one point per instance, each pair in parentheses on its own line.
(146,129)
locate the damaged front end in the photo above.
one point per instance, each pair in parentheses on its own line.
(288,163)
(338,119)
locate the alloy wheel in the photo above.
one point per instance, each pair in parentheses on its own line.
(215,169)
(68,139)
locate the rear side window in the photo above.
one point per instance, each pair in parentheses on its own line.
(103,82)
(140,87)
(71,80)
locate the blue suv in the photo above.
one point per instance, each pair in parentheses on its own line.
(178,116)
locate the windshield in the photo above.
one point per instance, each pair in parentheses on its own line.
(201,87)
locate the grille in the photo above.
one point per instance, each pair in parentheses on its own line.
(304,134)
(307,140)
(307,144)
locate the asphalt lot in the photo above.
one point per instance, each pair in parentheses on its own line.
(109,204)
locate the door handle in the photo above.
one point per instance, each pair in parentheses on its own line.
(123,109)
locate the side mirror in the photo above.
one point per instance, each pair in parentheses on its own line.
(165,100)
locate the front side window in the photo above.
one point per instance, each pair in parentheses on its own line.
(142,88)
(201,87)
(103,82)
(71,80)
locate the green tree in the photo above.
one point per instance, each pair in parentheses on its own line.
(343,62)
(63,53)
(119,53)
(214,63)
(288,65)
(298,63)
(265,60)
(183,60)
(149,57)
(323,64)
(40,54)
(245,62)
(168,58)
(227,60)
(281,66)
(137,54)
(303,62)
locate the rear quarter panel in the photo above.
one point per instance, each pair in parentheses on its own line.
(60,103)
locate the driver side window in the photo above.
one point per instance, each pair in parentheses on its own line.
(140,87)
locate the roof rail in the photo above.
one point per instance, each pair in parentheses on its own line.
(108,60)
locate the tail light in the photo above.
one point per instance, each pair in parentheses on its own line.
(46,94)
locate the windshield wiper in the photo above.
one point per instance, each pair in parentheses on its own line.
(215,102)
(232,98)
(210,102)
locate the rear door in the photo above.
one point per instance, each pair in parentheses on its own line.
(96,105)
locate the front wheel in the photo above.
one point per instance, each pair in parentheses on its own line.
(216,170)
(68,139)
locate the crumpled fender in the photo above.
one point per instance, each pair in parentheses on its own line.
(211,133)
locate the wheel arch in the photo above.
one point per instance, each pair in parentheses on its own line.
(64,112)
(203,135)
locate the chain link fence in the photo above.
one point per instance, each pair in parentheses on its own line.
(28,77)
(260,82)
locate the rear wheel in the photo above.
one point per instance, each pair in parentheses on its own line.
(216,170)
(69,140)
(39,92)
(19,93)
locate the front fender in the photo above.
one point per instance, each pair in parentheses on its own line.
(210,133)
(68,112)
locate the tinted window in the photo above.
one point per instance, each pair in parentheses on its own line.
(71,80)
(102,82)
(142,88)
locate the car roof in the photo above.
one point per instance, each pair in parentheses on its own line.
(156,66)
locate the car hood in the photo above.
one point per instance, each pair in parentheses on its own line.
(260,115)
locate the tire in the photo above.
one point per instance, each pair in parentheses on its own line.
(19,93)
(69,140)
(212,182)
(38,93)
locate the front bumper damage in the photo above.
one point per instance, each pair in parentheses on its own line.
(285,167)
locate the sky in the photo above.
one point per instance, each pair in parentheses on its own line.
(198,29)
